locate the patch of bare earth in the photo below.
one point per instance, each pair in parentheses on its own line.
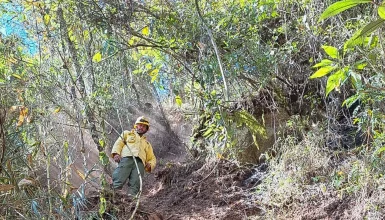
(192,190)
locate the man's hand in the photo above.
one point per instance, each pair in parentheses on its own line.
(148,167)
(117,158)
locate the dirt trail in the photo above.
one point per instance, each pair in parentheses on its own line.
(193,190)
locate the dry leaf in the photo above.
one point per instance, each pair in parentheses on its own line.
(57,110)
(13,108)
(6,187)
(79,173)
(29,159)
(19,95)
(23,114)
(9,166)
(25,182)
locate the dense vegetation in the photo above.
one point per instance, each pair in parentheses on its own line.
(296,85)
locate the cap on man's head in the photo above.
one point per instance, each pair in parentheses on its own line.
(142,120)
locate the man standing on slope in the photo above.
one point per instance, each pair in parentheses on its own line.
(130,146)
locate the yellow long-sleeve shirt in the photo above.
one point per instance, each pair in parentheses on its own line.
(131,144)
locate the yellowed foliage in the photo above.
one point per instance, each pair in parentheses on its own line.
(145,31)
(19,95)
(47,18)
(34,3)
(23,114)
(39,20)
(30,159)
(178,100)
(79,173)
(202,46)
(57,110)
(220,156)
(97,57)
(12,60)
(9,166)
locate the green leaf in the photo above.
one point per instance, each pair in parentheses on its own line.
(103,158)
(351,100)
(197,85)
(102,143)
(86,34)
(360,65)
(154,75)
(358,36)
(324,62)
(372,41)
(356,79)
(16,76)
(335,80)
(208,132)
(97,57)
(331,51)
(72,38)
(322,72)
(131,41)
(242,3)
(102,206)
(372,26)
(382,149)
(339,7)
(381,12)
(178,100)
(354,40)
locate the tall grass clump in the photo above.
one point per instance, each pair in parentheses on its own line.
(294,171)
(308,178)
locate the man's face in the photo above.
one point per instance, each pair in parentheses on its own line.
(141,128)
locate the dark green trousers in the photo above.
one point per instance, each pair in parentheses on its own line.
(127,170)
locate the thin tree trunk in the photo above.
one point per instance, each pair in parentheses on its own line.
(215,49)
(89,113)
(3,114)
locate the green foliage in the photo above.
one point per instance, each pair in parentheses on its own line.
(331,51)
(103,158)
(244,118)
(381,12)
(339,77)
(359,37)
(339,7)
(322,71)
(336,80)
(103,206)
(344,71)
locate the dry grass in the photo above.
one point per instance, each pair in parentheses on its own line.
(294,169)
(309,181)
